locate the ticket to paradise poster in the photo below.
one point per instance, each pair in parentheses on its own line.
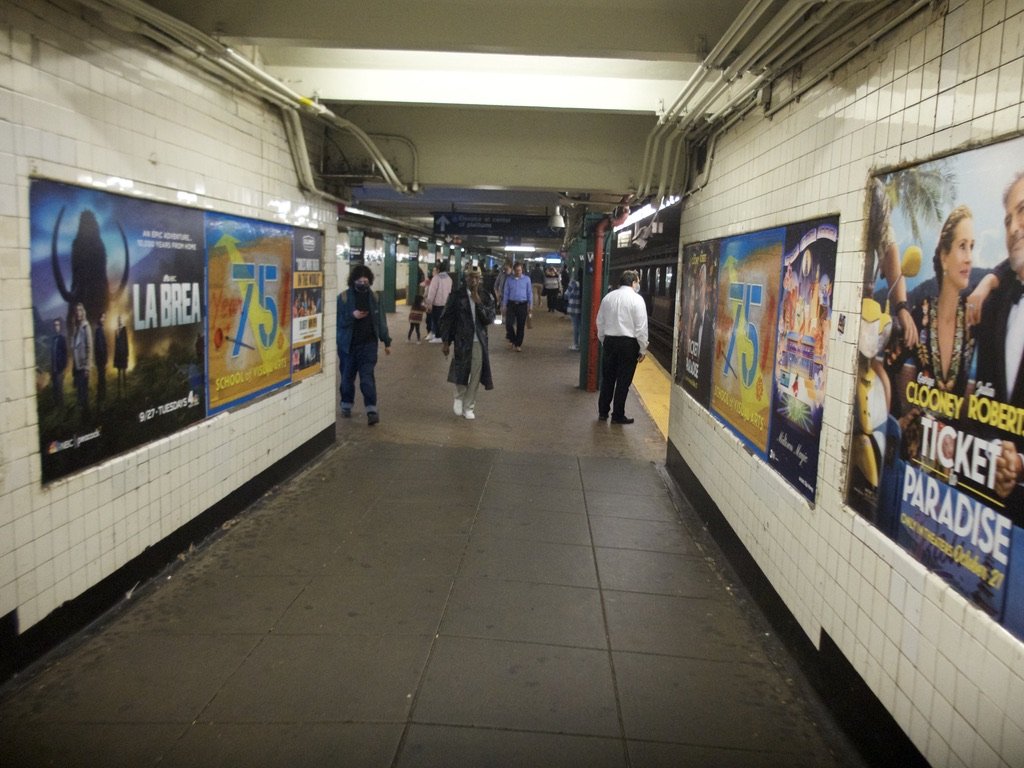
(249,273)
(938,422)
(117,304)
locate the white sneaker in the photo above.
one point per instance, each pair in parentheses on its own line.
(469,414)
(436,340)
(573,348)
(430,336)
(457,407)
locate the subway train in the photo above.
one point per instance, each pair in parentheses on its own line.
(651,247)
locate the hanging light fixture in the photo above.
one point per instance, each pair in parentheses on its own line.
(556,221)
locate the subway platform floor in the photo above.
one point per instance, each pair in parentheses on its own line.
(526,589)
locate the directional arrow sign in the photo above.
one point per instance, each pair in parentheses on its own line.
(494,225)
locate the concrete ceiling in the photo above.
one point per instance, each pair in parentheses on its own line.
(493,106)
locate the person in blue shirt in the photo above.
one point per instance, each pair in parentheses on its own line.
(517,301)
(361,327)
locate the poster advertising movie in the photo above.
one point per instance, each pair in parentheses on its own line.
(307,304)
(746,315)
(117,302)
(938,423)
(754,324)
(249,273)
(801,351)
(697,319)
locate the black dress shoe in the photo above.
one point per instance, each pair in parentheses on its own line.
(622,420)
(602,417)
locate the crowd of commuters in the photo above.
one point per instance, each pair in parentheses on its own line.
(459,313)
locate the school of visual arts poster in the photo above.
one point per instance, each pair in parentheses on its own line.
(307,304)
(117,292)
(939,424)
(697,319)
(249,273)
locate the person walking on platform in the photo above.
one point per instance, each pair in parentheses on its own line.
(622,331)
(437,296)
(517,302)
(361,327)
(537,282)
(469,311)
(574,308)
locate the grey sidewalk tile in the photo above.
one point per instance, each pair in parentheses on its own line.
(286,745)
(645,754)
(712,704)
(132,678)
(696,628)
(323,678)
(650,535)
(530,561)
(622,504)
(438,746)
(656,573)
(555,479)
(519,686)
(87,745)
(213,603)
(533,525)
(387,557)
(519,462)
(524,495)
(536,613)
(364,604)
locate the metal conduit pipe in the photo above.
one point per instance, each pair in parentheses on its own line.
(214,57)
(749,15)
(817,77)
(767,37)
(789,25)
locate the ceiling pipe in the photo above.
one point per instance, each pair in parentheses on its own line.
(726,46)
(216,58)
(784,32)
(826,71)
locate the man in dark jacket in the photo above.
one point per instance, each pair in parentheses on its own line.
(361,327)
(468,312)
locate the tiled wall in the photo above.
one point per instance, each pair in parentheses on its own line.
(81,103)
(952,678)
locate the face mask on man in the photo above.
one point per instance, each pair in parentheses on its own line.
(362,287)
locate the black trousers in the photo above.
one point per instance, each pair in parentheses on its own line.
(517,312)
(621,355)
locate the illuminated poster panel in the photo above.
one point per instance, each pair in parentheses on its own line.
(745,324)
(938,423)
(754,324)
(249,272)
(117,295)
(801,351)
(307,304)
(697,319)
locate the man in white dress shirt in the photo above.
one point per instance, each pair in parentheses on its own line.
(1001,344)
(622,331)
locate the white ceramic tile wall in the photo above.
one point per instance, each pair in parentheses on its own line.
(953,679)
(79,102)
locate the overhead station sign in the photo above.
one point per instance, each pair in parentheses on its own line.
(506,226)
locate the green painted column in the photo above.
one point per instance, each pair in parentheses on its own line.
(414,267)
(390,272)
